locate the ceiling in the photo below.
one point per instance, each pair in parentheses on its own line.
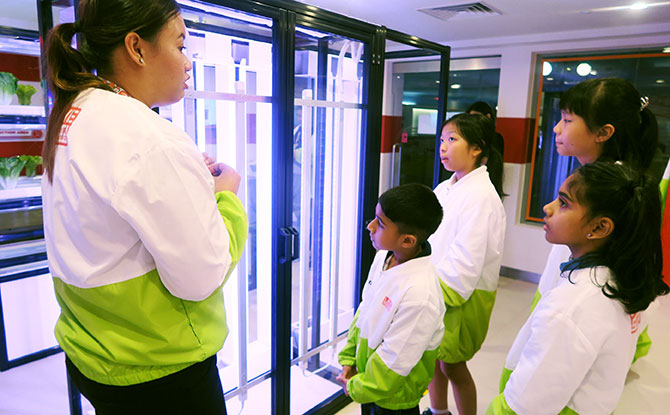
(518,17)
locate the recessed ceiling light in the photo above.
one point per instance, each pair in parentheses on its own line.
(568,68)
(550,79)
(583,69)
(635,6)
(408,103)
(456,86)
(546,68)
(666,49)
(660,81)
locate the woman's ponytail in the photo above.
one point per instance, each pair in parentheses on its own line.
(68,74)
(103,26)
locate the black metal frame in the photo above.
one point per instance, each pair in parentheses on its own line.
(428,48)
(5,362)
(282,148)
(286,14)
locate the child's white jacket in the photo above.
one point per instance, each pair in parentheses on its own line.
(573,353)
(467,253)
(551,276)
(393,339)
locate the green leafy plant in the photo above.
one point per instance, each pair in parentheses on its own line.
(10,169)
(8,86)
(31,163)
(25,93)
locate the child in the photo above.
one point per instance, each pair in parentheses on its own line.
(392,343)
(467,254)
(573,353)
(606,120)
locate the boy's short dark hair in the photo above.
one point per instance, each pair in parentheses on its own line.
(414,208)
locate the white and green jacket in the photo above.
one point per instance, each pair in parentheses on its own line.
(572,354)
(395,333)
(138,243)
(467,253)
(551,276)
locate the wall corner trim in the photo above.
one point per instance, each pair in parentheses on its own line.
(518,274)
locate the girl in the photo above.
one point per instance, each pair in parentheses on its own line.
(467,253)
(140,236)
(573,353)
(602,119)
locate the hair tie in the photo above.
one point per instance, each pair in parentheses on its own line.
(644,103)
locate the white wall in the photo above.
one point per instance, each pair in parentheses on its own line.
(525,247)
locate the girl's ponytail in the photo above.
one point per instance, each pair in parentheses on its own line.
(68,74)
(633,251)
(648,138)
(494,165)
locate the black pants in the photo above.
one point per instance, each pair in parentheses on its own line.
(195,390)
(374,409)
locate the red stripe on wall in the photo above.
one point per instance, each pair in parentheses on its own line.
(665,241)
(391,131)
(16,148)
(518,136)
(26,68)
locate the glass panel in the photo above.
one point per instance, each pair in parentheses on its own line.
(29,308)
(22,120)
(326,151)
(420,92)
(227,111)
(410,120)
(649,74)
(469,86)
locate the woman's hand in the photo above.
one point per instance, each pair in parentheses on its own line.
(210,162)
(225,178)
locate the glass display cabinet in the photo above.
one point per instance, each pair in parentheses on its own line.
(28,308)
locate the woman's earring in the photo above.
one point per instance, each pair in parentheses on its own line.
(141,59)
(589,235)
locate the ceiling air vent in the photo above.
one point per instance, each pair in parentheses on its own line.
(461,10)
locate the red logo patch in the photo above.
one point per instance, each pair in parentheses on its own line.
(67,123)
(635,320)
(386,302)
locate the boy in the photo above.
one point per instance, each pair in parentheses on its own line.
(391,348)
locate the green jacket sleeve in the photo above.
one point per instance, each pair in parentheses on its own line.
(237,223)
(451,297)
(376,383)
(347,356)
(499,407)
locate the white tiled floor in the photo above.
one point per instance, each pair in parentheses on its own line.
(647,390)
(39,388)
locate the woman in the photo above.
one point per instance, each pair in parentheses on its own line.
(140,236)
